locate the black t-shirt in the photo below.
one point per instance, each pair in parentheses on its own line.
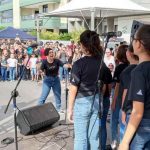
(84,75)
(117,77)
(140,86)
(51,69)
(126,79)
(118,70)
(108,78)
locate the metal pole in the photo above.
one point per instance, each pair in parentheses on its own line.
(37,28)
(92,19)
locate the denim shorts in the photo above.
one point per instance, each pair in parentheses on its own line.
(33,71)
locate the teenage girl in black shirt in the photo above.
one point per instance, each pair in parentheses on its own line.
(84,75)
(137,134)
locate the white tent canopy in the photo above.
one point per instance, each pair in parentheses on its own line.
(98,8)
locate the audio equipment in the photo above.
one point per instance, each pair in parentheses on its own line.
(34,118)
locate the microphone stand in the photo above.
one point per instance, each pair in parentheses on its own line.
(66,95)
(100,111)
(66,99)
(14,94)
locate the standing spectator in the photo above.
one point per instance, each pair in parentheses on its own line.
(20,65)
(38,68)
(77,55)
(42,50)
(33,61)
(4,68)
(55,48)
(109,58)
(62,56)
(12,65)
(26,66)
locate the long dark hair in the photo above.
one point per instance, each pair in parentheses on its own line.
(90,40)
(143,34)
(121,53)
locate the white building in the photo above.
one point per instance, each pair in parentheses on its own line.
(122,24)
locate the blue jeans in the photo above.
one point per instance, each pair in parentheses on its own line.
(12,73)
(141,140)
(114,123)
(20,69)
(86,123)
(63,73)
(122,127)
(4,73)
(48,83)
(106,105)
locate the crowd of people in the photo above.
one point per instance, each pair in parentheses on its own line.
(122,70)
(14,58)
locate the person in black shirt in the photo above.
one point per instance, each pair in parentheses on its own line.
(83,96)
(117,97)
(106,105)
(125,79)
(137,134)
(49,69)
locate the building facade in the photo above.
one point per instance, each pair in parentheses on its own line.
(110,24)
(23,14)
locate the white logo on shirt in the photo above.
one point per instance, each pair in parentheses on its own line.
(139,92)
(73,80)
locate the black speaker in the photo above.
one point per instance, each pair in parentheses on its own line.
(135,26)
(31,119)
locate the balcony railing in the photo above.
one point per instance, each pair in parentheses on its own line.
(6,20)
(32,2)
(28,17)
(2,2)
(6,6)
(46,23)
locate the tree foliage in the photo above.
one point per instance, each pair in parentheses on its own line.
(47,35)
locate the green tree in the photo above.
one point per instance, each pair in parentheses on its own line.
(75,35)
(1,27)
(33,33)
(65,36)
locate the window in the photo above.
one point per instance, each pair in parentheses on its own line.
(7,16)
(115,28)
(36,13)
(105,28)
(45,8)
(5,1)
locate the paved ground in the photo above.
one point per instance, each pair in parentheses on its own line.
(60,137)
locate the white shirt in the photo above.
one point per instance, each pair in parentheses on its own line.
(33,62)
(111,60)
(12,62)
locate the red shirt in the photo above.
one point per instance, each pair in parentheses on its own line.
(43,57)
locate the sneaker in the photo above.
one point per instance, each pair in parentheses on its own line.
(114,145)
